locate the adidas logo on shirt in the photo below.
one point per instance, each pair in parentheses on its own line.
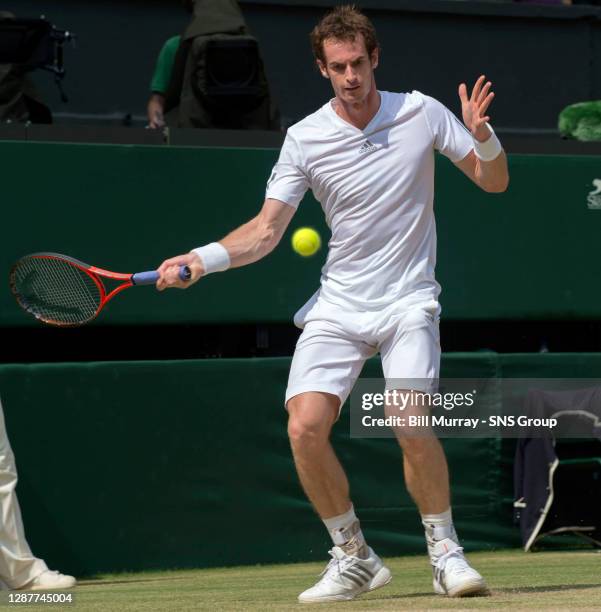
(367,147)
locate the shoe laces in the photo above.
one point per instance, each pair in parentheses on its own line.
(336,565)
(454,561)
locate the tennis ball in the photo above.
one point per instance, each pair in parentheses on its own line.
(306,241)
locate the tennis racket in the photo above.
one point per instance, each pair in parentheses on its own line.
(63,291)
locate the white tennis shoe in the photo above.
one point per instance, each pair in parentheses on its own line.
(453,575)
(345,577)
(50,580)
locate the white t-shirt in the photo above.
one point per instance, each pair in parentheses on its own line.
(376,188)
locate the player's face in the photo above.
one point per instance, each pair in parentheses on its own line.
(349,68)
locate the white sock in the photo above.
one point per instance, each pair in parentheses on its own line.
(438,527)
(346,533)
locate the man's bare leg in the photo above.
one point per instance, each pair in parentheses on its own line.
(424,462)
(425,467)
(427,479)
(358,568)
(311,416)
(426,473)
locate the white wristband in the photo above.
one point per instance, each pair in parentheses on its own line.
(489,149)
(214,256)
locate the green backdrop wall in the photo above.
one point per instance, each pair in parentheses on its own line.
(532,252)
(137,465)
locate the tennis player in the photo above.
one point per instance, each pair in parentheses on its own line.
(368,157)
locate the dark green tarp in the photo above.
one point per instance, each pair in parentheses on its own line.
(134,465)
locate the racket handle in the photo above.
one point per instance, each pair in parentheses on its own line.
(152,276)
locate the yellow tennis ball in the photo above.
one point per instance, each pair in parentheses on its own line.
(306,241)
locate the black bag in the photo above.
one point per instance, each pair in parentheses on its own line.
(228,75)
(219,81)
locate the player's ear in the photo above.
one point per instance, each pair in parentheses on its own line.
(375,58)
(322,69)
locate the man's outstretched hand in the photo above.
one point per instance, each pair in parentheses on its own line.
(169,271)
(474,108)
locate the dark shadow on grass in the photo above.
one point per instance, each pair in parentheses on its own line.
(401,596)
(102,582)
(549,588)
(502,591)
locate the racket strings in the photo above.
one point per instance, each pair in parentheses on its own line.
(56,290)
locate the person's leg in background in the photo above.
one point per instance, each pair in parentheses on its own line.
(19,569)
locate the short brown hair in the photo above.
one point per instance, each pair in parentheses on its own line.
(343,23)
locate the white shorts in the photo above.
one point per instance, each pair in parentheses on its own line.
(334,345)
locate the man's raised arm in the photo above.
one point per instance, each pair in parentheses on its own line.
(486,165)
(245,245)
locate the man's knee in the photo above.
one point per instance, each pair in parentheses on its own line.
(416,446)
(310,418)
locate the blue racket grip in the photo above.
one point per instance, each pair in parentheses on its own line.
(152,276)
